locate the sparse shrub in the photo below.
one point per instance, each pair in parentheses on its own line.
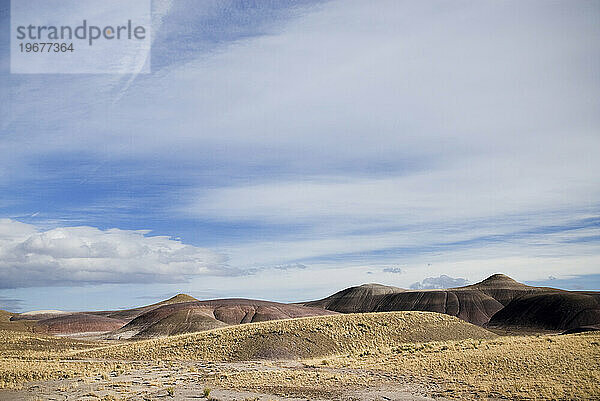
(170,391)
(206,392)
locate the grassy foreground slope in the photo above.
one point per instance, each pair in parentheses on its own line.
(341,354)
(28,356)
(7,324)
(547,367)
(298,338)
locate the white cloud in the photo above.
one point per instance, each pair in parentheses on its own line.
(491,111)
(478,187)
(349,80)
(82,255)
(493,208)
(440,282)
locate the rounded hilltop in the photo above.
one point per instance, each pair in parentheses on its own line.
(179,298)
(500,279)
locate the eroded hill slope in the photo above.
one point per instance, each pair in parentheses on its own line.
(298,338)
(498,301)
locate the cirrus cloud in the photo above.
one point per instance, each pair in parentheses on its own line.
(30,257)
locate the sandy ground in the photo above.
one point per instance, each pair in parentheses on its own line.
(187,381)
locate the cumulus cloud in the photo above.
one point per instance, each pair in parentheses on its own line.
(30,257)
(440,282)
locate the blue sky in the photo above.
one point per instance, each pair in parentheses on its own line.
(285,150)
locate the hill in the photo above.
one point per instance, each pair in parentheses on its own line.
(550,311)
(504,289)
(37,315)
(471,306)
(7,324)
(498,301)
(298,338)
(363,298)
(195,316)
(5,315)
(79,323)
(177,315)
(61,322)
(129,314)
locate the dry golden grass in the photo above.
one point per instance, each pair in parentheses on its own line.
(440,354)
(26,345)
(20,325)
(27,356)
(15,372)
(5,315)
(546,367)
(306,383)
(297,338)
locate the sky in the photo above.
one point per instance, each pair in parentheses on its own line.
(285,150)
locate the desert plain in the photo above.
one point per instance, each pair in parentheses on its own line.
(185,349)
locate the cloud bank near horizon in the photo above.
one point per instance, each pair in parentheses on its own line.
(70,256)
